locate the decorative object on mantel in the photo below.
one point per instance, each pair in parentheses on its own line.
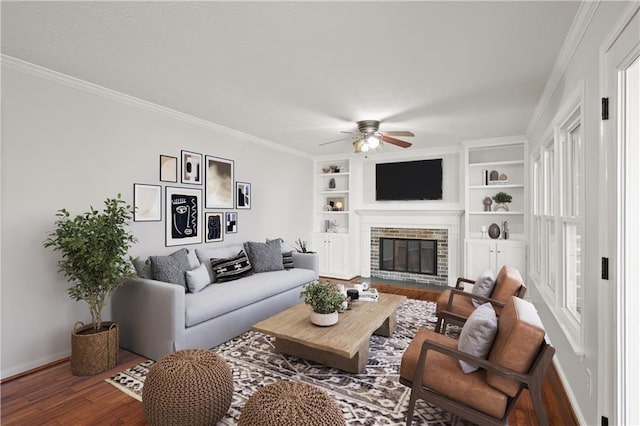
(94,270)
(325,299)
(487,204)
(501,199)
(494,231)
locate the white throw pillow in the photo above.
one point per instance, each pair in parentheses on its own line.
(198,278)
(477,335)
(483,286)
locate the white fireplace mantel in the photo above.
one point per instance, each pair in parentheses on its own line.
(449,219)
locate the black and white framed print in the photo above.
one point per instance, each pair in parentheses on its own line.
(219,183)
(191,167)
(184,220)
(147,203)
(168,168)
(243,195)
(231,222)
(213,227)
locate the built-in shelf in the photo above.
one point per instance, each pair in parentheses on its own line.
(340,212)
(500,213)
(334,174)
(508,185)
(329,191)
(497,163)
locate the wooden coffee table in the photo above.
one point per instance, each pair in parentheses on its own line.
(344,345)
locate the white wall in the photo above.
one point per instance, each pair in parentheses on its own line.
(583,65)
(72,148)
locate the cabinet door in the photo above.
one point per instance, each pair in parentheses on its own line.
(321,246)
(337,252)
(480,257)
(512,254)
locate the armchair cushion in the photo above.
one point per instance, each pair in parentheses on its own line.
(520,334)
(508,282)
(477,335)
(460,305)
(442,374)
(483,286)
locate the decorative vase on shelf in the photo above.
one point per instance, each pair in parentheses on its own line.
(332,183)
(501,206)
(494,231)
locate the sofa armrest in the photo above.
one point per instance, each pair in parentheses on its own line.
(151,316)
(307,261)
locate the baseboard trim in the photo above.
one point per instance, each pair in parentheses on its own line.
(34,370)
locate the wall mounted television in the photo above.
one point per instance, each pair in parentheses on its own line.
(409,180)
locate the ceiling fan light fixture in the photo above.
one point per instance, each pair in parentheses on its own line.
(373,141)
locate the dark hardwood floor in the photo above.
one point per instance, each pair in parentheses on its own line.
(52,396)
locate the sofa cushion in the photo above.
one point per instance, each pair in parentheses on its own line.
(483,286)
(219,299)
(443,375)
(232,268)
(520,334)
(477,335)
(171,268)
(205,256)
(264,257)
(197,278)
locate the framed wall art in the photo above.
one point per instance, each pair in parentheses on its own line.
(147,203)
(184,220)
(191,168)
(168,168)
(213,227)
(218,183)
(243,195)
(231,222)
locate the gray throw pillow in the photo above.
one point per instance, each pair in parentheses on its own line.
(142,267)
(264,257)
(171,269)
(477,335)
(483,286)
(285,246)
(197,278)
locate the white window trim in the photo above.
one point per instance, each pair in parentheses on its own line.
(554,298)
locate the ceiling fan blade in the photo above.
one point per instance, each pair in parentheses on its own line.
(395,141)
(398,133)
(337,140)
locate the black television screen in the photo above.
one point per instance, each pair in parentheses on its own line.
(409,180)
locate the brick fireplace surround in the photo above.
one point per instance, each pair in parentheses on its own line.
(440,235)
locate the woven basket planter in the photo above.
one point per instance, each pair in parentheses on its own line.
(93,353)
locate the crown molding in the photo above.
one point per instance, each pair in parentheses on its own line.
(572,41)
(18,65)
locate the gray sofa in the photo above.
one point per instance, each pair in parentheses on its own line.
(157,318)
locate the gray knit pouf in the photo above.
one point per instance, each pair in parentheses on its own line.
(291,404)
(188,387)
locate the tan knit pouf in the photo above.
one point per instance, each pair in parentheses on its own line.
(290,404)
(188,387)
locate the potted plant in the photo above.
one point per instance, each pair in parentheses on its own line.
(501,199)
(95,261)
(301,246)
(325,299)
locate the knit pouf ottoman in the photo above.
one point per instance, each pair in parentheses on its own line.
(290,404)
(188,387)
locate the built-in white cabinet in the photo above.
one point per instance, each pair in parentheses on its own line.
(333,254)
(493,166)
(484,254)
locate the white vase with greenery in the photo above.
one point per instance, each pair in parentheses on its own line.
(325,299)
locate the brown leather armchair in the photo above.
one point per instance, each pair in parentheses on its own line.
(454,306)
(518,359)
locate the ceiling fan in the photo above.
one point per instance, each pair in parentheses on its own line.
(368,137)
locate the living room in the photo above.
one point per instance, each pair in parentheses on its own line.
(87,112)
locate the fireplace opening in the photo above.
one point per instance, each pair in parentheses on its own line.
(409,255)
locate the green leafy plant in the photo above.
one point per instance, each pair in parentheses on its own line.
(323,297)
(94,248)
(502,197)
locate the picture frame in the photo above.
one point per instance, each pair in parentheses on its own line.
(243,195)
(147,203)
(231,222)
(168,168)
(184,219)
(214,226)
(191,168)
(219,179)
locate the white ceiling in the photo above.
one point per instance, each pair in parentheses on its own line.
(298,73)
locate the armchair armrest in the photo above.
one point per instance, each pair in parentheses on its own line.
(151,316)
(307,261)
(461,293)
(460,282)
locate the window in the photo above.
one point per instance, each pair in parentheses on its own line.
(557,229)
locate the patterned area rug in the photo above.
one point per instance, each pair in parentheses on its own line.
(373,397)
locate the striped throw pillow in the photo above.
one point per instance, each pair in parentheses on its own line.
(287,260)
(232,268)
